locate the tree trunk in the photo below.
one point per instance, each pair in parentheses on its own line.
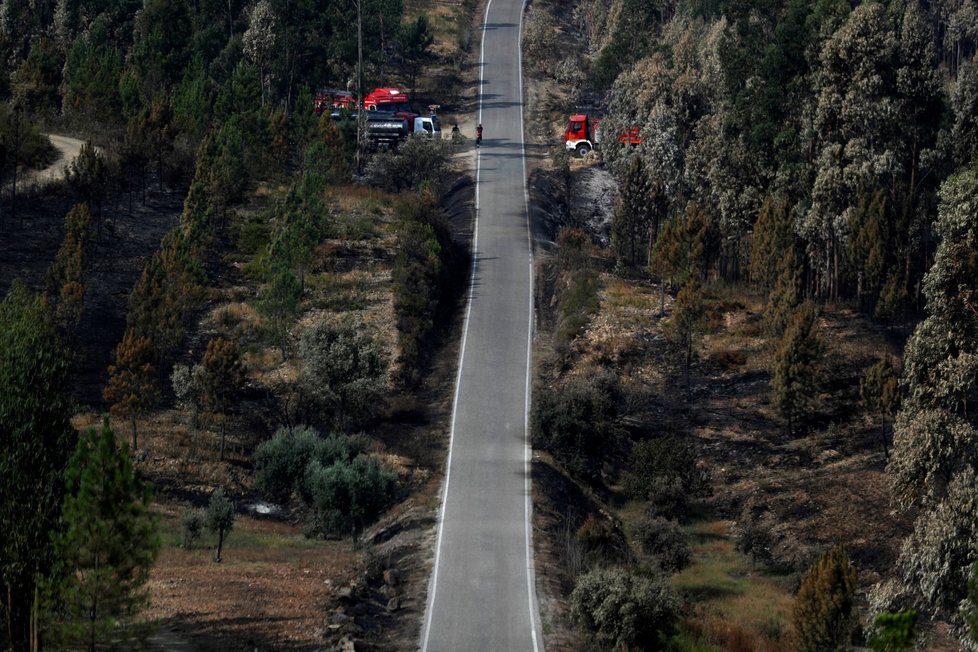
(132,420)
(689,355)
(220,544)
(220,456)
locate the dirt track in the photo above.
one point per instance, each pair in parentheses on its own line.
(69,149)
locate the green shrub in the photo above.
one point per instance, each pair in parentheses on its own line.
(577,422)
(894,631)
(192,526)
(419,161)
(344,371)
(601,543)
(665,473)
(824,611)
(282,460)
(665,542)
(623,610)
(346,496)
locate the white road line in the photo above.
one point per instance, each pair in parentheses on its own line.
(461,357)
(528,464)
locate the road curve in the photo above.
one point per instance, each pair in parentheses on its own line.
(481,595)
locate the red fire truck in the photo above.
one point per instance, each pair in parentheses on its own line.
(584,134)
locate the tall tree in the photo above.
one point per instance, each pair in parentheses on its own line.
(105,552)
(632,224)
(934,460)
(36,440)
(132,386)
(224,378)
(220,519)
(824,612)
(794,376)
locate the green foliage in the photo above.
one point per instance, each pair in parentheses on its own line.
(66,275)
(87,175)
(824,611)
(894,631)
(601,542)
(577,422)
(282,460)
(428,277)
(92,75)
(105,551)
(665,472)
(784,297)
(772,239)
(687,322)
(665,542)
(223,379)
(624,610)
(191,527)
(344,371)
(132,383)
(34,84)
(347,496)
(794,381)
(279,301)
(633,216)
(36,440)
(418,162)
(219,519)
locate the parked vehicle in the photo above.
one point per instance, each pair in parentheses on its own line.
(327,99)
(584,134)
(388,129)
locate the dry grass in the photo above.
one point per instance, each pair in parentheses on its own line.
(733,605)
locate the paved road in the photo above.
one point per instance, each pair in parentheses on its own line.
(481,595)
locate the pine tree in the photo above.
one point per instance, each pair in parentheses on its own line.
(131,388)
(109,542)
(66,276)
(880,393)
(687,318)
(36,440)
(794,376)
(224,377)
(772,238)
(220,519)
(824,612)
(88,178)
(784,296)
(632,220)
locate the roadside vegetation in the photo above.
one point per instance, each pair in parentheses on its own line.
(271,361)
(773,286)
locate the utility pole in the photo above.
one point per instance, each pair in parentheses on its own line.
(361,115)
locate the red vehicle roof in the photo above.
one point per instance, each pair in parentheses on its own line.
(579,118)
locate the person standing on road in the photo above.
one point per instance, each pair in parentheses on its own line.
(478,136)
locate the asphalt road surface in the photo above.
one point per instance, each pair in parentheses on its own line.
(481,595)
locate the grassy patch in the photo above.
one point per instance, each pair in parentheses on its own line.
(736,606)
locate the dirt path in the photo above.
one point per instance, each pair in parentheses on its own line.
(69,149)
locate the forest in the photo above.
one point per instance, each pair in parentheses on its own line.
(800,217)
(203,293)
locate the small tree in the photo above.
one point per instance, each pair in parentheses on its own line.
(895,631)
(664,471)
(189,386)
(346,496)
(220,519)
(623,610)
(343,370)
(131,387)
(109,542)
(87,176)
(665,541)
(279,302)
(224,377)
(879,392)
(687,321)
(795,381)
(824,611)
(191,525)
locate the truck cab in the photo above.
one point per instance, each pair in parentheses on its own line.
(391,100)
(580,134)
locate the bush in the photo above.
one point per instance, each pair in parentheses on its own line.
(347,496)
(623,610)
(192,526)
(824,612)
(419,161)
(665,541)
(755,540)
(665,473)
(282,460)
(576,422)
(601,543)
(344,370)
